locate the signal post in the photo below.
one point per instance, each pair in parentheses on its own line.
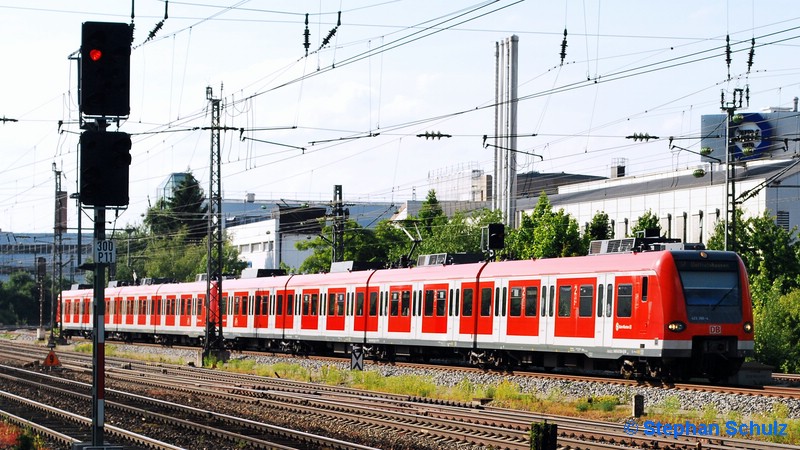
(104,87)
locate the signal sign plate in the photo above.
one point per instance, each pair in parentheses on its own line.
(105,252)
(357,358)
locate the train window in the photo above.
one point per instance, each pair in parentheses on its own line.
(486,302)
(450,309)
(600,292)
(331,304)
(515,309)
(429,303)
(496,301)
(258,305)
(585,300)
(531,295)
(339,304)
(456,301)
(544,300)
(414,303)
(466,311)
(405,299)
(306,304)
(289,304)
(564,301)
(441,303)
(322,302)
(373,303)
(359,303)
(314,304)
(550,307)
(624,300)
(503,311)
(279,305)
(644,288)
(244,305)
(610,288)
(394,308)
(419,303)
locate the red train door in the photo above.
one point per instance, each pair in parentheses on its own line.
(200,310)
(261,313)
(400,309)
(109,303)
(575,308)
(624,318)
(141,310)
(309,309)
(334,320)
(155,311)
(476,308)
(284,311)
(523,318)
(434,308)
(129,309)
(87,311)
(366,309)
(185,310)
(239,305)
(169,314)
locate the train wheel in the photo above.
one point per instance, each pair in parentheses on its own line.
(627,369)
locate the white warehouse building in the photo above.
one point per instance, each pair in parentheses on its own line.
(688,202)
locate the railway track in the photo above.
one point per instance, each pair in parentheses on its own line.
(398,414)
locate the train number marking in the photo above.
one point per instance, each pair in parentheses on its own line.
(715,329)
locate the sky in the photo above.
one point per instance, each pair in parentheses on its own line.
(350,110)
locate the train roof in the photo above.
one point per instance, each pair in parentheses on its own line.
(616,262)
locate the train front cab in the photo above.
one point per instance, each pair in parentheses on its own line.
(710,331)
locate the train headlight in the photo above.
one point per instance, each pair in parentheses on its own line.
(676,326)
(748,327)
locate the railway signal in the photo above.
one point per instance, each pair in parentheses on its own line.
(105,74)
(105,163)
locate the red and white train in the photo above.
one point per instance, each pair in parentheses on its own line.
(680,313)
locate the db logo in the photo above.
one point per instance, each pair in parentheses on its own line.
(715,329)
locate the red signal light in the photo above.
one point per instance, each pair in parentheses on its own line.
(95,54)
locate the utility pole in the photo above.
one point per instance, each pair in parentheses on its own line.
(730,168)
(213,331)
(338,224)
(59,228)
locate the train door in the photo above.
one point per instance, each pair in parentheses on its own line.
(128,310)
(434,308)
(261,313)
(575,308)
(604,330)
(547,307)
(624,318)
(334,320)
(107,317)
(155,311)
(476,309)
(284,310)
(366,309)
(240,309)
(184,312)
(169,313)
(141,310)
(309,312)
(399,309)
(200,311)
(86,314)
(523,312)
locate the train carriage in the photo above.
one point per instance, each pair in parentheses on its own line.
(675,312)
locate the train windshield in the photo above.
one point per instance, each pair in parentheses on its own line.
(712,291)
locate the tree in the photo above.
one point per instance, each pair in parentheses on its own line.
(186,209)
(360,244)
(599,227)
(19,300)
(645,222)
(545,234)
(765,248)
(431,214)
(461,233)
